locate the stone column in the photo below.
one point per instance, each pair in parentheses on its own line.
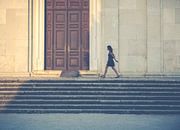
(95,34)
(38,34)
(30,34)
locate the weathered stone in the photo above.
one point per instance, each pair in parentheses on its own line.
(70,74)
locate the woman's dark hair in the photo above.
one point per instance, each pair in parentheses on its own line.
(110,48)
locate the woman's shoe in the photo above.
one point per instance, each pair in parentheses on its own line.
(117,76)
(102,76)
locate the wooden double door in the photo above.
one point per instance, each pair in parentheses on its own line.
(67,35)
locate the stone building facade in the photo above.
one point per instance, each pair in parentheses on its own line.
(145,35)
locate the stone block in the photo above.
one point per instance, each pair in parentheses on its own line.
(140,17)
(141,32)
(18,29)
(128,31)
(110,3)
(169,62)
(169,3)
(11,47)
(141,4)
(169,31)
(127,4)
(21,58)
(132,64)
(154,12)
(177,3)
(178,61)
(7,4)
(177,47)
(137,48)
(154,44)
(3,33)
(123,47)
(153,4)
(169,16)
(109,29)
(153,28)
(7,63)
(169,47)
(2,16)
(169,55)
(127,16)
(154,57)
(2,47)
(21,63)
(177,16)
(171,51)
(135,64)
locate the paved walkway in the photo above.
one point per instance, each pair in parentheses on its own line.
(88,122)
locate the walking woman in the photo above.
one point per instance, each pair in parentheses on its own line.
(110,62)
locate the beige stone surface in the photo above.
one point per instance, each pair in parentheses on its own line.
(132,36)
(169,16)
(127,4)
(154,48)
(169,3)
(154,58)
(153,28)
(2,16)
(171,36)
(109,30)
(13,36)
(18,4)
(7,63)
(2,47)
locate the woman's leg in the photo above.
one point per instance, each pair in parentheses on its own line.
(115,71)
(105,72)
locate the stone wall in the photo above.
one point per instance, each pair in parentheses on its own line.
(13,36)
(145,35)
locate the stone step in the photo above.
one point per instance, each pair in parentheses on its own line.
(89,85)
(23,89)
(91,106)
(85,91)
(98,80)
(91,97)
(92,84)
(146,93)
(78,101)
(109,111)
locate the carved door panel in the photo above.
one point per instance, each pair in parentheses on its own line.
(85,40)
(60,40)
(67,34)
(49,39)
(74,40)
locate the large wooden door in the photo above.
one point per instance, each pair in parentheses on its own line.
(67,34)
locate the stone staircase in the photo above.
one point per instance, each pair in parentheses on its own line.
(111,96)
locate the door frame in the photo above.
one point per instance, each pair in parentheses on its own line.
(37,35)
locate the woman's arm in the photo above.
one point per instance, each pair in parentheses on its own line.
(114,57)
